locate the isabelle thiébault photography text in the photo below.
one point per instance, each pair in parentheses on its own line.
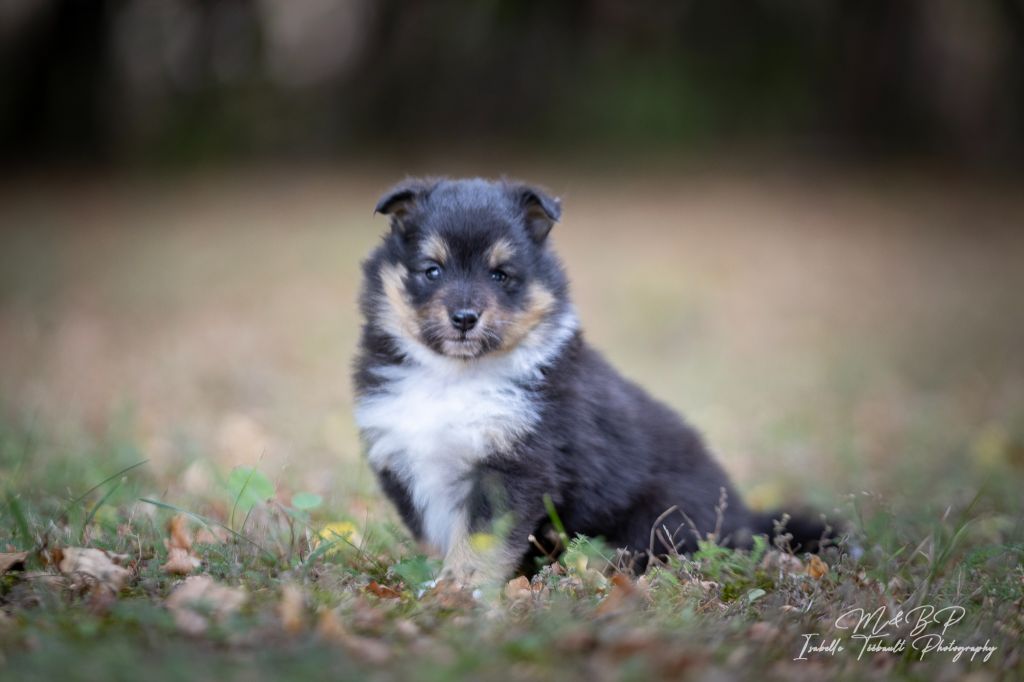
(389,340)
(921,629)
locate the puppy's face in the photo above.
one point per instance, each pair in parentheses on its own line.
(465,271)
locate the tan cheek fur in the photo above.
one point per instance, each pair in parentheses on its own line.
(399,314)
(542,302)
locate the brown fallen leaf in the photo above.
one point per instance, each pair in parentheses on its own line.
(448,594)
(180,562)
(96,565)
(44,580)
(518,588)
(643,586)
(632,642)
(366,649)
(199,601)
(291,609)
(406,629)
(622,594)
(180,559)
(12,561)
(330,628)
(816,568)
(180,537)
(762,631)
(383,591)
(775,560)
(576,639)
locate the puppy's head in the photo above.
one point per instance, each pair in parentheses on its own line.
(465,270)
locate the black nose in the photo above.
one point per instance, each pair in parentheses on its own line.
(464,319)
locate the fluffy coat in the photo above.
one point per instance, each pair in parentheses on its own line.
(478,396)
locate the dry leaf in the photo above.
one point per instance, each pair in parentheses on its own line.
(292,609)
(816,568)
(44,580)
(383,591)
(199,601)
(177,528)
(632,642)
(782,561)
(180,559)
(12,561)
(180,562)
(407,629)
(762,631)
(575,639)
(708,585)
(448,594)
(623,592)
(368,650)
(96,564)
(330,628)
(518,588)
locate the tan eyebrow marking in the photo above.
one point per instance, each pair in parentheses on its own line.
(501,251)
(434,248)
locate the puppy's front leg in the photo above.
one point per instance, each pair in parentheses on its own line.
(477,559)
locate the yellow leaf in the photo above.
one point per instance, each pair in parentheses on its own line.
(340,533)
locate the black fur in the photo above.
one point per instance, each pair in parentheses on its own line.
(613,459)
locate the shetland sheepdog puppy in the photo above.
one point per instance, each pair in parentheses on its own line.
(481,404)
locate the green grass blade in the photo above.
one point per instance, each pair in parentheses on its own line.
(231,518)
(549,505)
(209,522)
(20,521)
(102,483)
(95,508)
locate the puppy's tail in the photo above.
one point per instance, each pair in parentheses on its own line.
(802,531)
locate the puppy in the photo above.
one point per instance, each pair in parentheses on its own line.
(478,397)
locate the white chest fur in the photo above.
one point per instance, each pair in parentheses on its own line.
(431,423)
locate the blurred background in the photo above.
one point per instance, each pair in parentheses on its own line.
(798,222)
(185,82)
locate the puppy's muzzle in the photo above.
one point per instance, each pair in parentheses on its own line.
(464,320)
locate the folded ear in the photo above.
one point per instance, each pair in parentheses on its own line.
(399,201)
(540,211)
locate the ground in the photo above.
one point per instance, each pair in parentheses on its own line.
(174,359)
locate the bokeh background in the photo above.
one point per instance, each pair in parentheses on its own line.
(798,222)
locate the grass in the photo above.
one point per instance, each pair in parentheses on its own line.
(181,351)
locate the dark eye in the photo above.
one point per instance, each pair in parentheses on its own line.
(499,276)
(432,273)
